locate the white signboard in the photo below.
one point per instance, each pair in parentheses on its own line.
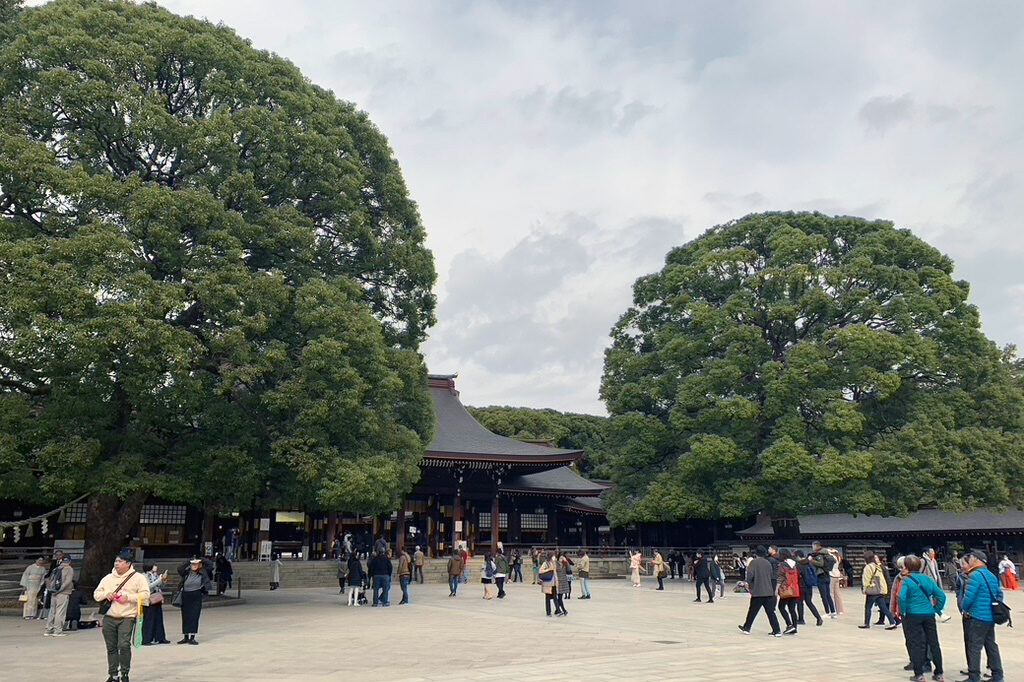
(265,524)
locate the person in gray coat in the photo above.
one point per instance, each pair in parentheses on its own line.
(760,576)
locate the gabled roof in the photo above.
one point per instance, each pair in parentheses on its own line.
(560,481)
(923,521)
(585,505)
(460,437)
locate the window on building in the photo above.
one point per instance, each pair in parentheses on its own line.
(76,513)
(533,521)
(162,514)
(485,520)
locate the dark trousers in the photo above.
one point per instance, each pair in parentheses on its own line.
(808,599)
(557,599)
(380,589)
(980,635)
(787,607)
(153,624)
(922,640)
(661,583)
(879,600)
(117,635)
(705,582)
(500,582)
(766,603)
(191,609)
(341,584)
(417,574)
(825,590)
(517,574)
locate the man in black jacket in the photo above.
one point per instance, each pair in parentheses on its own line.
(380,572)
(761,580)
(702,573)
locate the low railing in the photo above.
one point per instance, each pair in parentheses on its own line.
(20,553)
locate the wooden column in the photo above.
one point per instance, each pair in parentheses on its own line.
(494,523)
(456,517)
(332,530)
(400,528)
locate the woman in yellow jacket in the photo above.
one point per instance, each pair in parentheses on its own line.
(874,586)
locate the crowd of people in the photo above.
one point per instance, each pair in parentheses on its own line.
(780,582)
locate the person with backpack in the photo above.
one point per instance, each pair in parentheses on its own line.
(788,590)
(60,585)
(808,581)
(823,563)
(981,593)
(920,600)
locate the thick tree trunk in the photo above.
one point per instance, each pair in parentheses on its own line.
(110,520)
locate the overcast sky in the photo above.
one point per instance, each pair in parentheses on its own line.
(558,150)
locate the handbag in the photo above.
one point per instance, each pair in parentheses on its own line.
(177,599)
(22,597)
(156,599)
(105,606)
(874,588)
(1000,611)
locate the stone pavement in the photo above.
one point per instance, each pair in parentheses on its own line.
(622,633)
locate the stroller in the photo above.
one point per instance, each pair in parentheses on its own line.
(361,598)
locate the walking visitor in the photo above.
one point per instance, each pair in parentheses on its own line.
(823,563)
(548,578)
(61,584)
(808,581)
(788,591)
(455,567)
(223,573)
(501,572)
(153,615)
(195,582)
(875,589)
(1008,573)
(837,581)
(635,566)
(658,569)
(981,591)
(31,583)
(702,575)
(920,601)
(342,572)
(762,593)
(487,575)
(717,577)
(122,589)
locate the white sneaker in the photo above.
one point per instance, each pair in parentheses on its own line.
(944,617)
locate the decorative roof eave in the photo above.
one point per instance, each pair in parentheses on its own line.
(554,458)
(550,492)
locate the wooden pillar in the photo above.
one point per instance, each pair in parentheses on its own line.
(332,530)
(400,528)
(456,518)
(494,523)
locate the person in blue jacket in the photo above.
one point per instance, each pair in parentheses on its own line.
(919,601)
(980,590)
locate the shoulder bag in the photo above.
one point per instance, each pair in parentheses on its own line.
(874,587)
(1000,611)
(105,606)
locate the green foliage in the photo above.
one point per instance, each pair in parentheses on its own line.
(212,272)
(805,364)
(563,429)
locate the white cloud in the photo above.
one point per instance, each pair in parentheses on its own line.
(565,142)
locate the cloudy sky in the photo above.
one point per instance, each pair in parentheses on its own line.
(557,150)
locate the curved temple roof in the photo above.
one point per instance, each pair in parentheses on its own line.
(560,481)
(461,437)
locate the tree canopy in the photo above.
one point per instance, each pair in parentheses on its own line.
(213,275)
(799,363)
(563,429)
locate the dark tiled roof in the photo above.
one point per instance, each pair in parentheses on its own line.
(924,521)
(587,504)
(560,481)
(458,433)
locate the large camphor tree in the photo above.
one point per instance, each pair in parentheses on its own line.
(212,278)
(800,363)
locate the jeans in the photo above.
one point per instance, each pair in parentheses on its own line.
(825,590)
(980,634)
(58,613)
(453,583)
(517,574)
(922,638)
(404,582)
(808,599)
(585,587)
(766,603)
(465,574)
(117,635)
(721,587)
(381,585)
(871,600)
(417,574)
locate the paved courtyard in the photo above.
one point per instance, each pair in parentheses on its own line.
(622,633)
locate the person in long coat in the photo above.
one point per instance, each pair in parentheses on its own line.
(195,583)
(153,615)
(32,582)
(275,571)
